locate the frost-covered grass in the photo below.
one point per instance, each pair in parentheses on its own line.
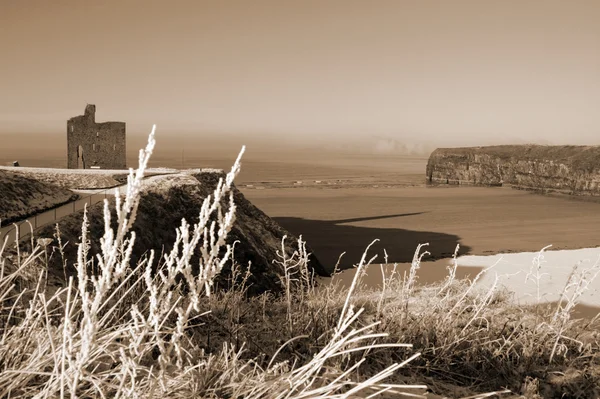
(22,196)
(159,329)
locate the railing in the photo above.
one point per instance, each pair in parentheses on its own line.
(30,225)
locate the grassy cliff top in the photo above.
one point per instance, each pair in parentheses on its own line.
(76,179)
(578,157)
(22,196)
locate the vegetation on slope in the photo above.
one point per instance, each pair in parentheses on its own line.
(166,200)
(157,328)
(22,196)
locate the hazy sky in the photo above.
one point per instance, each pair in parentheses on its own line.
(477,71)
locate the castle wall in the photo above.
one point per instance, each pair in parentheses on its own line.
(573,170)
(102,144)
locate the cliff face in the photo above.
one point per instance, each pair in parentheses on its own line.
(573,170)
(164,202)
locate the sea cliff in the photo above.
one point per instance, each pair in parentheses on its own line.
(573,170)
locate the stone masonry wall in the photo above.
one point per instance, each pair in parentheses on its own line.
(573,170)
(95,144)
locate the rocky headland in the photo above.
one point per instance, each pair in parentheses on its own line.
(572,170)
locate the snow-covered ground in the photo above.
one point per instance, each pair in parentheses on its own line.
(518,271)
(515,271)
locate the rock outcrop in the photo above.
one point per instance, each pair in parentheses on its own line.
(165,200)
(573,170)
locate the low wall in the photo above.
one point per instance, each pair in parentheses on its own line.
(573,170)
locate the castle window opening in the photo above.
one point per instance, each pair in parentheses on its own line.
(97,134)
(94,147)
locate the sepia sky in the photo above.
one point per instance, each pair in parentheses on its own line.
(451,71)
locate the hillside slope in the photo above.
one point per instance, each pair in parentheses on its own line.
(573,170)
(164,202)
(22,196)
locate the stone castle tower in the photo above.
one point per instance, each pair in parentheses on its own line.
(95,145)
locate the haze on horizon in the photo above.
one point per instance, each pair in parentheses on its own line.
(447,72)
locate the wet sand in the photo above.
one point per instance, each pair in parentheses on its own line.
(483,220)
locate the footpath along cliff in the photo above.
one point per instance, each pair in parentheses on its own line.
(573,170)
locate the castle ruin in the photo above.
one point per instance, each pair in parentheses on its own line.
(92,145)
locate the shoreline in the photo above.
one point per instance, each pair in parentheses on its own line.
(513,269)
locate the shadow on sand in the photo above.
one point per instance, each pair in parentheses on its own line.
(327,239)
